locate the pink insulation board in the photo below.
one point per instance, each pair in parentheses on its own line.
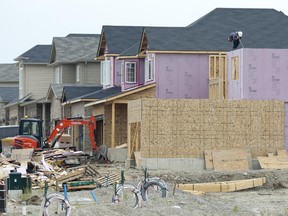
(182,76)
(263,74)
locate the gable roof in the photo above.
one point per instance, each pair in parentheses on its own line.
(82,35)
(262,28)
(116,93)
(70,92)
(103,93)
(118,39)
(9,73)
(38,54)
(74,49)
(7,94)
(17,101)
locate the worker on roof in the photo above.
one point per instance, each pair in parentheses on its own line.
(235,37)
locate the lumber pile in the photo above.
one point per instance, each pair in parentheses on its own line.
(279,161)
(226,186)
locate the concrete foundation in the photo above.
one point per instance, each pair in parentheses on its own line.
(178,164)
(117,155)
(174,164)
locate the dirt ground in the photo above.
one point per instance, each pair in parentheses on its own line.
(269,199)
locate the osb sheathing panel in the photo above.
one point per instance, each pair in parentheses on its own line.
(121,117)
(185,128)
(120,124)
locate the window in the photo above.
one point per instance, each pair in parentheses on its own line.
(21,77)
(149,75)
(77,73)
(105,72)
(57,75)
(235,68)
(130,72)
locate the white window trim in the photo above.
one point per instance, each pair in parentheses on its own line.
(105,72)
(78,73)
(149,70)
(57,75)
(135,72)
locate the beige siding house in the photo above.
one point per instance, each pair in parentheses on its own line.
(74,65)
(34,80)
(9,81)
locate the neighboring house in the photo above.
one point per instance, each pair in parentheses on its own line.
(9,90)
(73,59)
(74,106)
(34,80)
(76,73)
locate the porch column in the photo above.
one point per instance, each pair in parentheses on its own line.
(113,126)
(44,119)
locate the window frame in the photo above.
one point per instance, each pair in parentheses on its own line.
(105,72)
(149,70)
(78,74)
(132,74)
(235,67)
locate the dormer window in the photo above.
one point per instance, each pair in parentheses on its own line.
(105,72)
(149,75)
(130,72)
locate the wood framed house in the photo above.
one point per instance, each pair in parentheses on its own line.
(194,62)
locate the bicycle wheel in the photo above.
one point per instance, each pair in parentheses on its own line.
(154,189)
(128,195)
(50,207)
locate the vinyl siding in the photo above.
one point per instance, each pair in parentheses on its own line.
(93,73)
(38,79)
(69,74)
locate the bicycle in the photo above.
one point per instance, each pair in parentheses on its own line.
(153,187)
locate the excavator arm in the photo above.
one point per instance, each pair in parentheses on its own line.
(66,123)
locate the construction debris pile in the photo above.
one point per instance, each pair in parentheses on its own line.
(57,167)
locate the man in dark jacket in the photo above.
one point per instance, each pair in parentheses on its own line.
(235,37)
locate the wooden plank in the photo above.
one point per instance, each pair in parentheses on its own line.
(227,186)
(92,186)
(70,176)
(272,163)
(138,159)
(232,159)
(113,177)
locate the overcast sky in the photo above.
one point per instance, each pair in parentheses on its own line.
(26,23)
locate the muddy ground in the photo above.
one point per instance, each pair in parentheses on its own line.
(269,199)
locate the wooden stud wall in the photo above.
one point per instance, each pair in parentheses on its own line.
(185,128)
(120,125)
(217,76)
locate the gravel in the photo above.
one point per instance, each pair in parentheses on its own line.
(269,199)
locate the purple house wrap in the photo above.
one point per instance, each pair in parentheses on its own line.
(262,75)
(182,76)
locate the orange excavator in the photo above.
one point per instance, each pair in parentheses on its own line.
(31,135)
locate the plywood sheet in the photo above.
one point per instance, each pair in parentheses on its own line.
(233,159)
